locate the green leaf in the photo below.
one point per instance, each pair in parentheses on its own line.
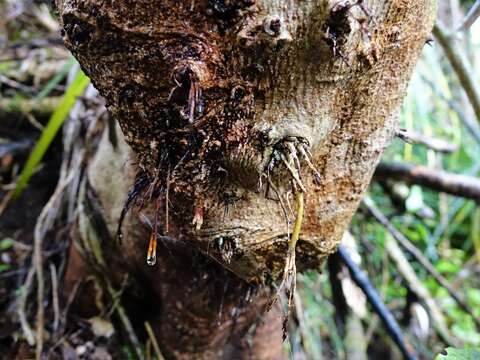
(74,90)
(6,244)
(459,354)
(447,267)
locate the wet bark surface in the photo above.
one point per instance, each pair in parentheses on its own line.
(217,99)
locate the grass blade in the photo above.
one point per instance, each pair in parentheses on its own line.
(74,90)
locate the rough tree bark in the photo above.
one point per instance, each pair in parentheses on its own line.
(230,108)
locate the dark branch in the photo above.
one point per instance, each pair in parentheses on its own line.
(454,184)
(391,325)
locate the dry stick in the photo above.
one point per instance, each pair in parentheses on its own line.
(70,300)
(22,302)
(471,16)
(300,315)
(37,259)
(413,250)
(414,283)
(43,107)
(435,144)
(438,180)
(44,223)
(361,279)
(460,65)
(153,339)
(122,314)
(56,306)
(471,125)
(92,246)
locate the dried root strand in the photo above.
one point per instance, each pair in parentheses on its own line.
(295,173)
(140,185)
(307,156)
(290,270)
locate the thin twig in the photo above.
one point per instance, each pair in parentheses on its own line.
(414,283)
(56,305)
(435,144)
(460,65)
(43,225)
(471,16)
(38,265)
(22,304)
(122,314)
(70,300)
(153,339)
(422,260)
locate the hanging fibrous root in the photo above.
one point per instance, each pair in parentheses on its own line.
(291,151)
(304,150)
(289,280)
(141,184)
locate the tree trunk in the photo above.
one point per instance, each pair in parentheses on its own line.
(230,110)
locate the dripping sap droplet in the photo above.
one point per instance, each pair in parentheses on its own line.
(152,249)
(152,245)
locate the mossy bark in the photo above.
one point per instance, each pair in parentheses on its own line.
(210,95)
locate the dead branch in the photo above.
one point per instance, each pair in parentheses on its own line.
(154,341)
(438,180)
(45,223)
(414,283)
(38,108)
(55,301)
(22,305)
(471,16)
(122,314)
(435,144)
(471,125)
(413,250)
(460,65)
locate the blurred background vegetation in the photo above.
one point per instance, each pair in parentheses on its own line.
(39,84)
